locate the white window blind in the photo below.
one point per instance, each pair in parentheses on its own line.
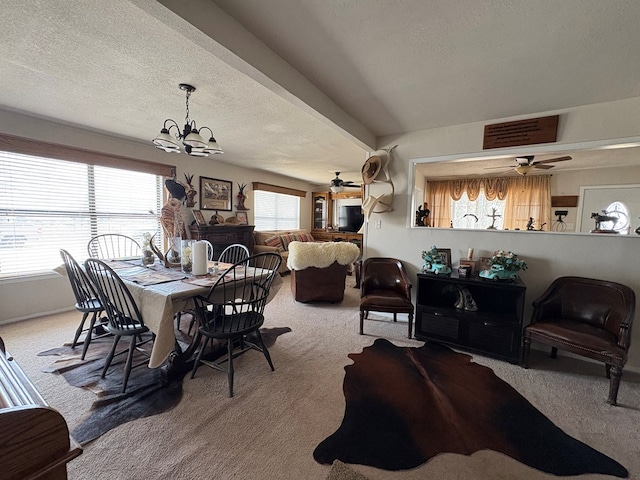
(48,204)
(276,211)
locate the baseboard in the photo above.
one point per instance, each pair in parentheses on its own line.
(35,315)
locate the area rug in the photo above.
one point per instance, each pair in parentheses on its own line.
(146,394)
(405,405)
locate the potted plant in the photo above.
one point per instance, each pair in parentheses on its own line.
(504,266)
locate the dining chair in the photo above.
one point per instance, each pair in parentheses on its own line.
(87,301)
(385,287)
(125,319)
(233,312)
(234,253)
(113,245)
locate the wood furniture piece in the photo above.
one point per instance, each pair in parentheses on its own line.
(222,236)
(495,329)
(385,287)
(321,215)
(587,317)
(319,284)
(233,311)
(34,438)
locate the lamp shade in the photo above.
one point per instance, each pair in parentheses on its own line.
(212,147)
(165,141)
(194,139)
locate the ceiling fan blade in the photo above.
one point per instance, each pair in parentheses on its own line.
(493,168)
(543,167)
(553,160)
(350,185)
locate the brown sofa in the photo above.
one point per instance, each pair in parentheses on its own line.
(319,270)
(279,242)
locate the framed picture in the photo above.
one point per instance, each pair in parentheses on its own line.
(197,214)
(470,263)
(483,264)
(242,218)
(445,253)
(215,194)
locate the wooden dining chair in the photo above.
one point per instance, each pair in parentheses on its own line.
(234,253)
(233,312)
(113,245)
(125,319)
(87,301)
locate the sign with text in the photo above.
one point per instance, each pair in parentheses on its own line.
(521,132)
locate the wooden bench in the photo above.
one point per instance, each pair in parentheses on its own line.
(34,438)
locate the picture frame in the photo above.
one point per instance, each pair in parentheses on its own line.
(483,264)
(445,253)
(199,217)
(242,218)
(469,263)
(215,194)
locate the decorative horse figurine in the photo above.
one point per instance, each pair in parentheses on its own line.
(601,218)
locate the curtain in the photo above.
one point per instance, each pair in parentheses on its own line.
(438,198)
(529,198)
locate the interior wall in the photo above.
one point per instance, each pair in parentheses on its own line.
(32,296)
(549,255)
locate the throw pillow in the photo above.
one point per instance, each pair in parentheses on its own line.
(303,237)
(286,239)
(274,242)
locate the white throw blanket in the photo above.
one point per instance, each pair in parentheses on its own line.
(320,254)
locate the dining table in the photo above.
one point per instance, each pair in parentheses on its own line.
(160,292)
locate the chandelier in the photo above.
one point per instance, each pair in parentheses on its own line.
(193,143)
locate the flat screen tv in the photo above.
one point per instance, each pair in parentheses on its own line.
(350,218)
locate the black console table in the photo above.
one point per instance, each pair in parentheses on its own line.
(221,236)
(495,329)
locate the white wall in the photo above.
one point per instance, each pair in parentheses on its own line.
(32,296)
(549,255)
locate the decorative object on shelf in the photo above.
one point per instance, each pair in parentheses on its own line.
(241,196)
(190,191)
(601,218)
(468,264)
(231,221)
(193,143)
(437,260)
(242,218)
(493,217)
(464,300)
(504,266)
(148,257)
(464,271)
(215,194)
(199,217)
(216,219)
(186,257)
(422,216)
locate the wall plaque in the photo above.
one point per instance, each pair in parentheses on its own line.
(521,132)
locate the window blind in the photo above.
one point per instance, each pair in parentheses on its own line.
(276,211)
(47,204)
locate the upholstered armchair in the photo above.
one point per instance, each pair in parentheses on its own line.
(319,270)
(587,317)
(385,287)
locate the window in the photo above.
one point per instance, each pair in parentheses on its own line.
(620,211)
(467,213)
(276,211)
(47,204)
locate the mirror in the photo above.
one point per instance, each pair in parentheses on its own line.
(602,164)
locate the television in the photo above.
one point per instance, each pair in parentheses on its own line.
(350,218)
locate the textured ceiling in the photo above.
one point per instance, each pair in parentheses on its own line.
(303,88)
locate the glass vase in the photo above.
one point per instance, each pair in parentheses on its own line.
(186,255)
(173,252)
(148,258)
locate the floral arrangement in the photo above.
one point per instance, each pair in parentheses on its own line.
(432,256)
(508,260)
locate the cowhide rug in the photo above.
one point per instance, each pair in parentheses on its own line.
(405,405)
(145,396)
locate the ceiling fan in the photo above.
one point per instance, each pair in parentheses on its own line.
(338,185)
(525,163)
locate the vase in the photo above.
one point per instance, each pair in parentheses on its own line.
(186,255)
(148,258)
(173,252)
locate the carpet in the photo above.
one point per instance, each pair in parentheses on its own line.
(145,396)
(405,405)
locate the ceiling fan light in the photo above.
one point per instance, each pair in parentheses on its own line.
(336,188)
(198,152)
(523,169)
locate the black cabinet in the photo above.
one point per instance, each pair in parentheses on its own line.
(495,329)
